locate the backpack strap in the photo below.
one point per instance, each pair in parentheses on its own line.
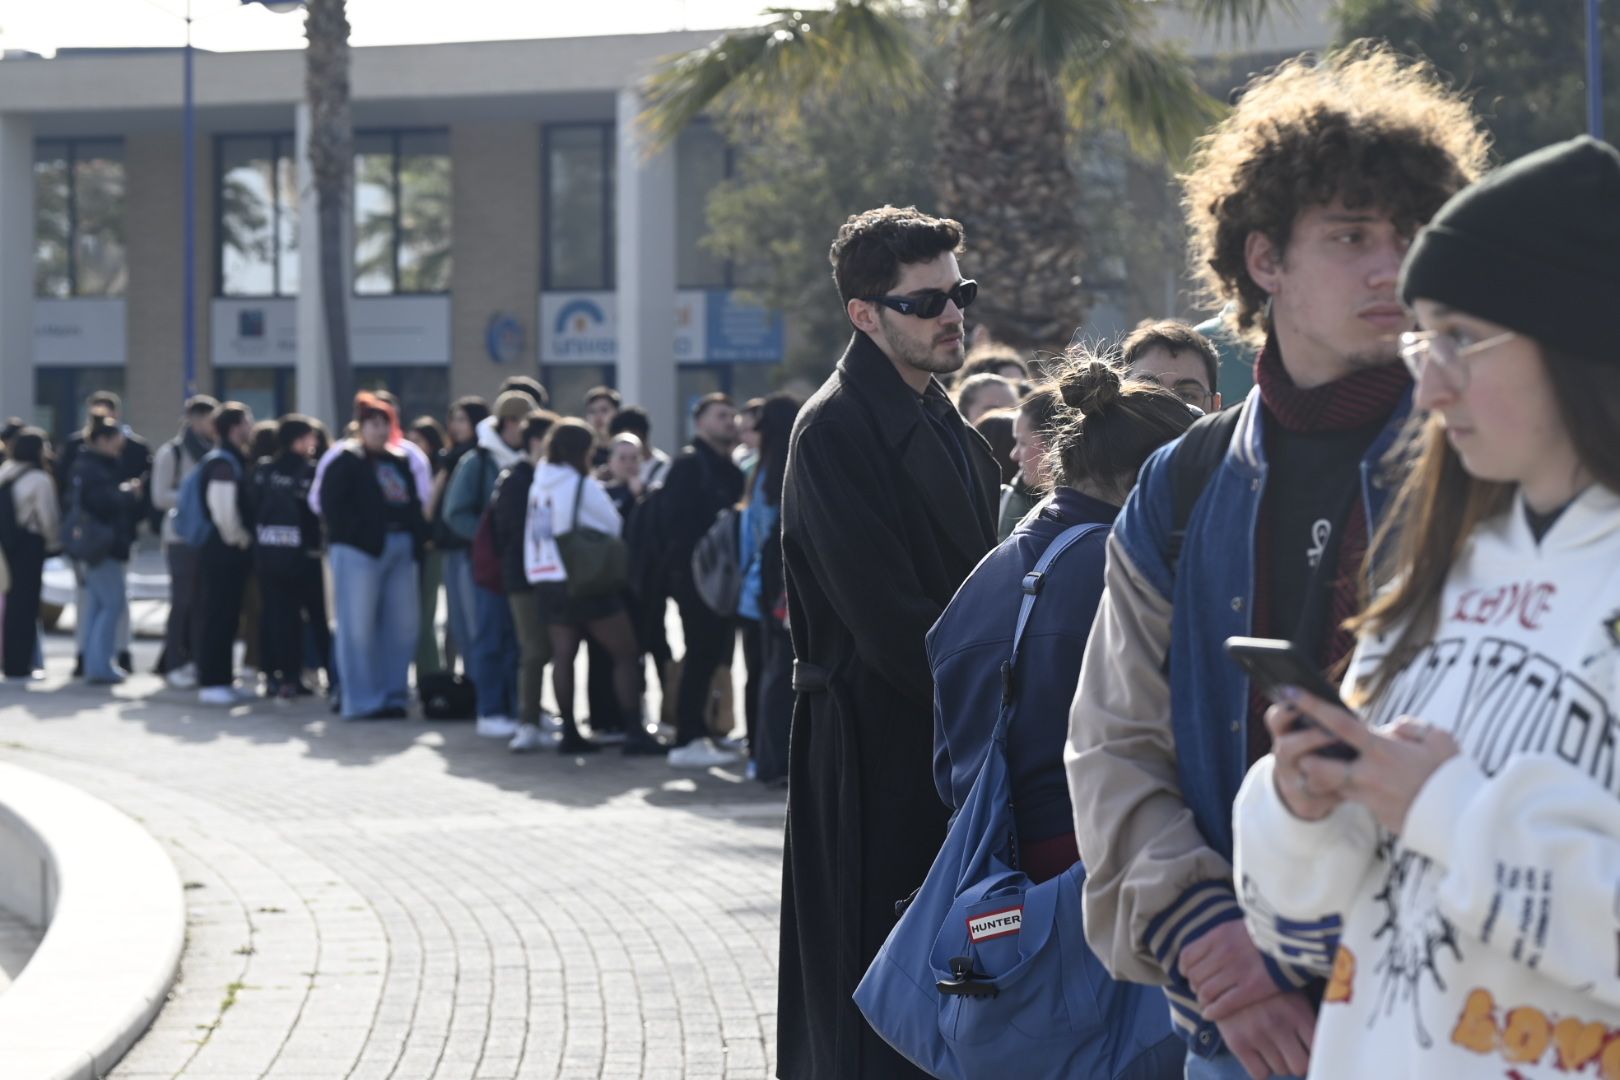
(1034,583)
(1192,464)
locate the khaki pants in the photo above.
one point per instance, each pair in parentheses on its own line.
(534,652)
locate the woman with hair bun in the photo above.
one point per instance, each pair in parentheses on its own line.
(1103,426)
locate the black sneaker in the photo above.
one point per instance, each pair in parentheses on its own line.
(78,666)
(126,661)
(576,745)
(642,745)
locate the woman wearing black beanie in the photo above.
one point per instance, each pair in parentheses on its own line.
(1457,879)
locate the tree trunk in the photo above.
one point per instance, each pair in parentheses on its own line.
(1004,172)
(331,155)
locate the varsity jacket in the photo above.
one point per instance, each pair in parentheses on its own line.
(1158,732)
(1484,940)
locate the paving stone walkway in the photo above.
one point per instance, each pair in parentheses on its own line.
(405,900)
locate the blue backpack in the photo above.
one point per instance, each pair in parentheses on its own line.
(988,971)
(191,521)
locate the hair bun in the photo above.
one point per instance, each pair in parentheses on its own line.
(1091,386)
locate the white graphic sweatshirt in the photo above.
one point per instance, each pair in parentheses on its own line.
(1484,940)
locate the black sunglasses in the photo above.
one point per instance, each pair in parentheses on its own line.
(929,304)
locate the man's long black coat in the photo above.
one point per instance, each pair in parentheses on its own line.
(878,530)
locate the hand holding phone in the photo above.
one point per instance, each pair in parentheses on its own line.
(1274,663)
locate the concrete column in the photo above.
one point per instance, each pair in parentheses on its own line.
(645,266)
(496,269)
(154,207)
(16,266)
(314,364)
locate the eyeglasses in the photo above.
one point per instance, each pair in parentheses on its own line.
(930,303)
(1447,352)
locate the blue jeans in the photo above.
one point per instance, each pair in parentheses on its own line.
(377,613)
(80,625)
(493,661)
(1223,1066)
(458,602)
(105,606)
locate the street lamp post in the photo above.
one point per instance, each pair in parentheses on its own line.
(1594,71)
(189,156)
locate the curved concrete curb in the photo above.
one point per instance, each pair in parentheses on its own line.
(115,914)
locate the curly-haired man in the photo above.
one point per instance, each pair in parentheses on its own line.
(888,504)
(1300,206)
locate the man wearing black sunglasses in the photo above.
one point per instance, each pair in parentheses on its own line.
(887,506)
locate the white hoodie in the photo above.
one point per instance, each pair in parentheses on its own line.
(1485,939)
(551,514)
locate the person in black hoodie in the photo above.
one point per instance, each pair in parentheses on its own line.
(701,483)
(134,463)
(99,496)
(374,523)
(287,556)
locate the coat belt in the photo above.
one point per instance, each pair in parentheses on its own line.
(809,678)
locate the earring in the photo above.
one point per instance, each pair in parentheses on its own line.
(1265,314)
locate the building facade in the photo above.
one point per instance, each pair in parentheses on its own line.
(508,218)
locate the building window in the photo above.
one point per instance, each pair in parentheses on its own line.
(59,394)
(421,390)
(577,215)
(402,212)
(79,218)
(257,197)
(703,162)
(268,391)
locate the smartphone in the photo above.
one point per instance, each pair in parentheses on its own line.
(1273,663)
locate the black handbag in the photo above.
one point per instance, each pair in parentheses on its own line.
(85,537)
(597,564)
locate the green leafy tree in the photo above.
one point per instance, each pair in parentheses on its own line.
(1523,60)
(1020,78)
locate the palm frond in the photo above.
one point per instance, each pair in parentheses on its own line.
(1049,35)
(1237,17)
(1149,90)
(860,48)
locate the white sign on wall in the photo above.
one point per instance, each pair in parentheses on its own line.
(583,327)
(85,331)
(402,330)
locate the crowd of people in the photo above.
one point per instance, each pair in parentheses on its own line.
(1414,494)
(1031,700)
(300,565)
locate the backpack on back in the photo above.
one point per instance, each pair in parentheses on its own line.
(717,572)
(191,521)
(1192,464)
(9,528)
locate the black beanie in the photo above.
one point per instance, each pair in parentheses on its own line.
(1534,246)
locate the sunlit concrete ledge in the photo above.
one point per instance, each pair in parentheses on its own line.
(114,915)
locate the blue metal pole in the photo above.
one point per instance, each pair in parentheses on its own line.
(1594,72)
(189,329)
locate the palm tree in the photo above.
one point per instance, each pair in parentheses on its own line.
(331,158)
(1026,75)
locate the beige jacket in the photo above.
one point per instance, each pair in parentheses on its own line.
(1151,881)
(34,495)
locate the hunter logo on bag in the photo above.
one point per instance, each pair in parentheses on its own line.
(994,924)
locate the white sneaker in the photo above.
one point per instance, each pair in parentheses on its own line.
(551,723)
(182,678)
(528,738)
(218,695)
(497,727)
(700,754)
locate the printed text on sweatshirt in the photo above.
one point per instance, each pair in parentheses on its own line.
(1485,939)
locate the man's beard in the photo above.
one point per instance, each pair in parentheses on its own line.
(924,357)
(1378,356)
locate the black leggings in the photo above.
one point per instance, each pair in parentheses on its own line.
(221,572)
(289,601)
(26,557)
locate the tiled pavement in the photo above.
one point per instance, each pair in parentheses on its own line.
(405,900)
